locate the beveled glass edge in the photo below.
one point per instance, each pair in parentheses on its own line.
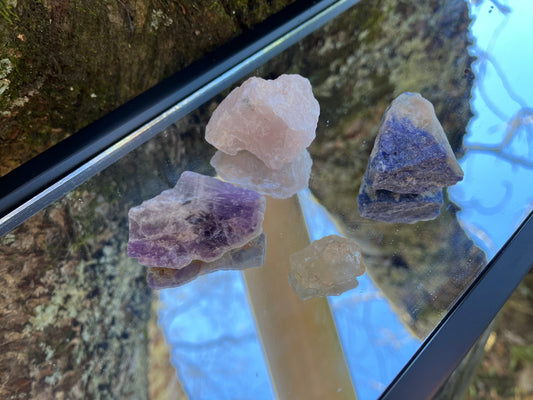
(451,340)
(63,176)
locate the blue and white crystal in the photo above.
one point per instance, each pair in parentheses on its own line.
(411,153)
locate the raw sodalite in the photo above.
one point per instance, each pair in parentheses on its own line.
(409,165)
(411,153)
(273,119)
(251,255)
(326,267)
(201,218)
(383,205)
(246,170)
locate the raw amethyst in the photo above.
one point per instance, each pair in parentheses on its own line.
(201,218)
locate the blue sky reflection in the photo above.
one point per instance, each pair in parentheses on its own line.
(497,192)
(214,344)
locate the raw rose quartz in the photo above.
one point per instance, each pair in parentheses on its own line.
(273,119)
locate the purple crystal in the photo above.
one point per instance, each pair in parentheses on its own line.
(201,218)
(411,153)
(386,206)
(251,255)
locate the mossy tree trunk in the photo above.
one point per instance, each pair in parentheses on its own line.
(64,64)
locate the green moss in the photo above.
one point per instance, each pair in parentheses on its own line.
(520,354)
(104,325)
(371,18)
(6,12)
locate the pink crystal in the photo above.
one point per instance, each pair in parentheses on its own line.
(246,170)
(201,218)
(273,119)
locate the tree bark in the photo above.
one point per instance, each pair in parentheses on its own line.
(64,64)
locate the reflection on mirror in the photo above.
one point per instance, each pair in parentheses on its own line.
(73,298)
(248,171)
(251,255)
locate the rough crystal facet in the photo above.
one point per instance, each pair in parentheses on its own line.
(251,255)
(273,119)
(201,218)
(246,170)
(326,267)
(411,153)
(382,205)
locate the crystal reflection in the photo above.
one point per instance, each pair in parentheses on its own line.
(376,342)
(246,170)
(250,255)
